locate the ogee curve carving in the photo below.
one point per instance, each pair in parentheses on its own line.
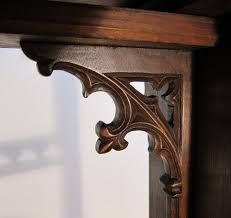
(134,111)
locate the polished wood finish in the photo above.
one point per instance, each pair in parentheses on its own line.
(106,69)
(84,24)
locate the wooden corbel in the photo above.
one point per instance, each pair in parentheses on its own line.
(134,110)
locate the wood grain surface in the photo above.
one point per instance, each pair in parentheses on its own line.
(87,24)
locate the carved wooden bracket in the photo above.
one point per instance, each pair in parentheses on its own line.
(134,111)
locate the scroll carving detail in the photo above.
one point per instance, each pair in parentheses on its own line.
(134,111)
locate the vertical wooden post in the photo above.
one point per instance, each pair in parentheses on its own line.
(162,205)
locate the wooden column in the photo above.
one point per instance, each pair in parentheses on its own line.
(165,205)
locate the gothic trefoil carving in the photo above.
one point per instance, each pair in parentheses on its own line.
(134,111)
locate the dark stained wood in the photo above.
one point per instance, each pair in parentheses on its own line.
(210,8)
(114,3)
(162,5)
(158,202)
(211,178)
(106,69)
(75,24)
(211,182)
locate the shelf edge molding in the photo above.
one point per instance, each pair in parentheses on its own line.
(68,23)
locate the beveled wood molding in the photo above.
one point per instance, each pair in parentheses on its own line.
(134,111)
(88,24)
